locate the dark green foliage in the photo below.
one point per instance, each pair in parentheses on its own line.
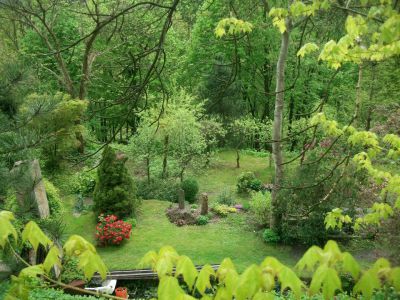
(4,286)
(191,188)
(301,202)
(160,189)
(247,182)
(202,220)
(42,294)
(70,270)
(115,192)
(270,236)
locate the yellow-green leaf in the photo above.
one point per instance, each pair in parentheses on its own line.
(6,227)
(290,280)
(249,283)
(203,280)
(368,282)
(35,235)
(169,288)
(52,258)
(76,245)
(90,262)
(350,265)
(186,267)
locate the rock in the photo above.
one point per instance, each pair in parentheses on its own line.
(30,184)
(5,270)
(204,204)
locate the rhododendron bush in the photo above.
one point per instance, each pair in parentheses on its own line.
(112,231)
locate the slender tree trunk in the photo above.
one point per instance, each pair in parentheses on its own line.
(358,95)
(291,115)
(165,159)
(237,158)
(148,169)
(371,96)
(277,126)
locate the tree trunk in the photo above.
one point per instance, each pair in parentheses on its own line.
(358,95)
(165,159)
(181,198)
(237,159)
(290,120)
(371,96)
(277,125)
(148,169)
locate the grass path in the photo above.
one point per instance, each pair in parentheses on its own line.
(203,244)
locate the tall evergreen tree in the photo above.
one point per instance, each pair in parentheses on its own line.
(115,192)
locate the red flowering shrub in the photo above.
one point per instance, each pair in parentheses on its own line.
(110,230)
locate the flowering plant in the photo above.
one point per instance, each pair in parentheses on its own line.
(110,230)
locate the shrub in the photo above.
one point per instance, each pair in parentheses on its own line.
(159,189)
(202,220)
(131,221)
(223,210)
(260,207)
(255,185)
(53,196)
(298,202)
(270,236)
(41,293)
(191,188)
(114,192)
(86,182)
(110,230)
(226,197)
(70,270)
(247,182)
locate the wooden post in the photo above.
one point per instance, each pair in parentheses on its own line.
(204,204)
(181,198)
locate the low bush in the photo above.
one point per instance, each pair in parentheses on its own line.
(248,182)
(202,220)
(131,221)
(260,207)
(270,236)
(53,196)
(223,210)
(158,189)
(226,197)
(70,270)
(41,293)
(86,182)
(191,188)
(110,230)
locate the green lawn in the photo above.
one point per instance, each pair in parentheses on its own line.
(203,244)
(223,173)
(229,237)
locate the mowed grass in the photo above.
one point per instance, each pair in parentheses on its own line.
(223,173)
(229,237)
(203,244)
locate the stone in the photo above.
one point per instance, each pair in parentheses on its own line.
(31,184)
(204,204)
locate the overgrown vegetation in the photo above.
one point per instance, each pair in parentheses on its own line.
(279,119)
